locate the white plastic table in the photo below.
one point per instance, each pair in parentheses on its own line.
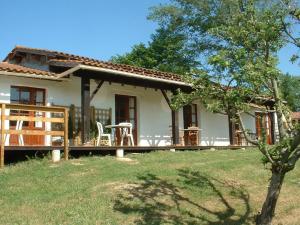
(117,126)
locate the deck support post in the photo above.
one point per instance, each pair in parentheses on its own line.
(85,109)
(120,152)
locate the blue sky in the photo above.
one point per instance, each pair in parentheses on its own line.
(93,28)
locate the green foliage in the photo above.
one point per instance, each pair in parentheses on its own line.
(237,42)
(167,51)
(290,90)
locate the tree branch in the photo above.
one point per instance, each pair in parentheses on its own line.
(247,137)
(286,31)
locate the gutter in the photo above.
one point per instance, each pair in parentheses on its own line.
(127,74)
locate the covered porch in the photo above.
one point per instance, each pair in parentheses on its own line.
(126,107)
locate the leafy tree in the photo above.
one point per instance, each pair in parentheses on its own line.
(238,42)
(167,51)
(290,89)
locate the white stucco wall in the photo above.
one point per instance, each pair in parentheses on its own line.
(249,121)
(153,112)
(214,128)
(154,115)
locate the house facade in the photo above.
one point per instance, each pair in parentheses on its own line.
(113,93)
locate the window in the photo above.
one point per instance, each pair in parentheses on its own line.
(190,116)
(194,115)
(27,96)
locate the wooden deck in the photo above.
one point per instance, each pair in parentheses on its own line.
(59,115)
(126,148)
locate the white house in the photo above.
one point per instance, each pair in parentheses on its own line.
(116,93)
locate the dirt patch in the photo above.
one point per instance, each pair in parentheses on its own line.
(115,186)
(54,166)
(232,183)
(77,164)
(128,160)
(292,218)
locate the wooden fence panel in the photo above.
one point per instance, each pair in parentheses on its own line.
(54,119)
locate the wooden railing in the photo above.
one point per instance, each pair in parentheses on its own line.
(52,117)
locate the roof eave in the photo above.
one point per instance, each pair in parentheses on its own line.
(32,75)
(117,72)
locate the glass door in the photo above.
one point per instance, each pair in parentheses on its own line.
(126,112)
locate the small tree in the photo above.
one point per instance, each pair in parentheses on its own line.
(238,42)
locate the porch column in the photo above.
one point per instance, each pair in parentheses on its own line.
(175,127)
(231,131)
(85,109)
(175,119)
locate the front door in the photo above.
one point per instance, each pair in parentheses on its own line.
(126,112)
(27,96)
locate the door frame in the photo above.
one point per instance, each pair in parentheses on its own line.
(267,123)
(135,128)
(189,109)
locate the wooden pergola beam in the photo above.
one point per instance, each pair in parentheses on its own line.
(97,89)
(166,97)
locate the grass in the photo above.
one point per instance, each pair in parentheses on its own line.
(208,187)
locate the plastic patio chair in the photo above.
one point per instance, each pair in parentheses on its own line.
(101,134)
(126,132)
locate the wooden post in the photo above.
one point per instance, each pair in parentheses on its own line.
(231,131)
(175,127)
(110,115)
(2,135)
(93,115)
(72,118)
(66,135)
(175,120)
(85,109)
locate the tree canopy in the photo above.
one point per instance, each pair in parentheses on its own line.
(167,51)
(290,90)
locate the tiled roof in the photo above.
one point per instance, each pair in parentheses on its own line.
(8,67)
(295,115)
(69,60)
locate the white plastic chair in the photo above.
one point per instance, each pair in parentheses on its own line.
(19,126)
(101,134)
(126,132)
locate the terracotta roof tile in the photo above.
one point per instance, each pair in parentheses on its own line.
(70,59)
(8,67)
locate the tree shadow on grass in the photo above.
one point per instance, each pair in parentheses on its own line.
(157,201)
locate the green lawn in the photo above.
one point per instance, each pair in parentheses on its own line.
(207,187)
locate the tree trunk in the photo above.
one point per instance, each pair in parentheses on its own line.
(268,209)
